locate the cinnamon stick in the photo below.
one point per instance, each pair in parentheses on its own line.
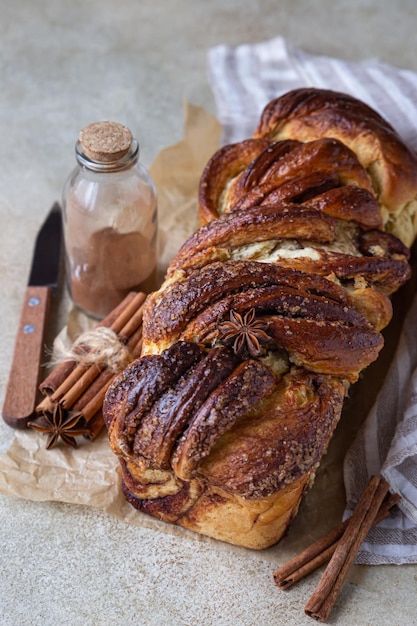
(90,403)
(91,392)
(95,425)
(134,346)
(88,376)
(56,377)
(46,405)
(324,597)
(81,388)
(133,323)
(78,380)
(97,401)
(129,313)
(129,330)
(322,549)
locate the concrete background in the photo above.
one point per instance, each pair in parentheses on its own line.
(62,65)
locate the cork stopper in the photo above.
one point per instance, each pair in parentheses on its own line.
(105,141)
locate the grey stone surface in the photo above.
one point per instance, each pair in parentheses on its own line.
(63,65)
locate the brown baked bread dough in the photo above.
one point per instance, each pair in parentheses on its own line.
(268,313)
(308,114)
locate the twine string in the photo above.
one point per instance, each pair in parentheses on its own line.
(100,346)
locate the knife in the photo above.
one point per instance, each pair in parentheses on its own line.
(24,377)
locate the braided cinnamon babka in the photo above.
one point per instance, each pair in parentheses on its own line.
(267,314)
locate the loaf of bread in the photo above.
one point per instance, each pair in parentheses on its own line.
(268,313)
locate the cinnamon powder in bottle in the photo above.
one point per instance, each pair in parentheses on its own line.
(110,220)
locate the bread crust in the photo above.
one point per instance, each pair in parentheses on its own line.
(283,436)
(268,313)
(308,114)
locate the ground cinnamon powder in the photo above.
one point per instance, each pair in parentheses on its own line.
(112,264)
(110,220)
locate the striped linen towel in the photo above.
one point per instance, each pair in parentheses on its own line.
(387,444)
(244,79)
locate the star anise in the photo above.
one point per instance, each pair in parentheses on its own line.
(57,426)
(244,333)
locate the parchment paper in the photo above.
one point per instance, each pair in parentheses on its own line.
(89,475)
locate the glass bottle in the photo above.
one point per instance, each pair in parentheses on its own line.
(110,220)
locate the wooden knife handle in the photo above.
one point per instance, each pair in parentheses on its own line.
(29,355)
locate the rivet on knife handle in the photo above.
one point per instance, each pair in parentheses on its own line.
(29,354)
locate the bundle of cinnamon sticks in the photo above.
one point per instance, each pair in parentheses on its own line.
(74,391)
(341,546)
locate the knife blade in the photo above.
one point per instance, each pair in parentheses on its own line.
(24,376)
